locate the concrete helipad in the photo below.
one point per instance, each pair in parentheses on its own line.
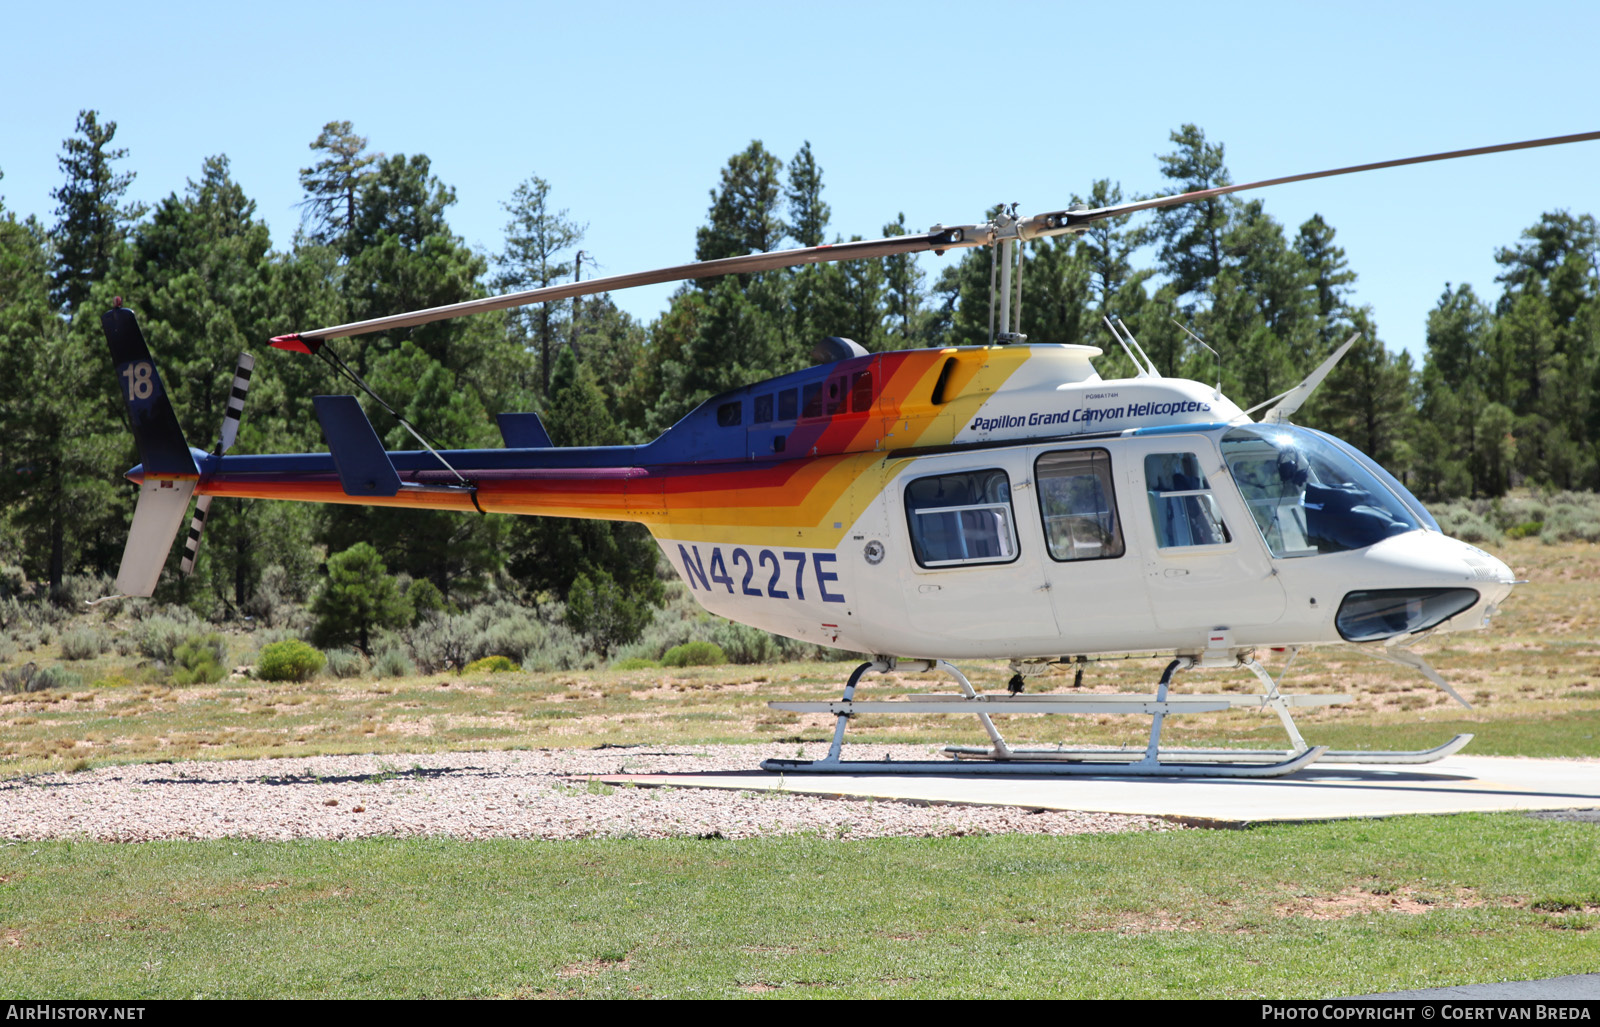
(1457,784)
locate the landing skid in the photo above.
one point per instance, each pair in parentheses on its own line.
(1024,765)
(1404,757)
(1151,761)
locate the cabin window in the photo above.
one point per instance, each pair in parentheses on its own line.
(763,409)
(1181,504)
(861,393)
(788,405)
(1077,504)
(811,405)
(729,415)
(962,518)
(834,395)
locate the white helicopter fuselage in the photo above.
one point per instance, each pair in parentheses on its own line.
(1071,516)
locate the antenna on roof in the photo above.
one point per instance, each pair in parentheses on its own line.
(1213,352)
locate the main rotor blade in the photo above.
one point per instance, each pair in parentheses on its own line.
(1057,222)
(750,263)
(1038,226)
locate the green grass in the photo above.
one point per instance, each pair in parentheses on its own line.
(1414,902)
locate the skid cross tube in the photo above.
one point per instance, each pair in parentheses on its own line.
(1002,760)
(1272,698)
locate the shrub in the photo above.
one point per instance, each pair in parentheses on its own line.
(77,589)
(16,679)
(83,644)
(200,660)
(393,663)
(425,597)
(497,629)
(694,654)
(160,636)
(291,660)
(745,644)
(345,663)
(275,603)
(30,677)
(438,641)
(635,663)
(13,580)
(491,665)
(1467,524)
(11,612)
(605,613)
(54,677)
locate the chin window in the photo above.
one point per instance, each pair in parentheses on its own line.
(1384,613)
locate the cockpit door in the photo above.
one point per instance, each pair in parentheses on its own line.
(1204,563)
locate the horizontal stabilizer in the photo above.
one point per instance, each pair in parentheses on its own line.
(523,431)
(364,467)
(155,426)
(156,520)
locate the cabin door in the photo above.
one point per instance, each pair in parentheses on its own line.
(1204,564)
(972,576)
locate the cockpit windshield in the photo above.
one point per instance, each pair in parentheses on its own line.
(1307,495)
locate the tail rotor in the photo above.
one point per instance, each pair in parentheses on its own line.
(230,432)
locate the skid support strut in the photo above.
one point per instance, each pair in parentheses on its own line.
(1002,760)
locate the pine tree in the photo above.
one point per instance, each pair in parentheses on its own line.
(359,596)
(808,215)
(333,184)
(1549,244)
(536,235)
(1454,396)
(904,298)
(49,471)
(1191,234)
(90,225)
(1368,399)
(849,300)
(744,209)
(1056,275)
(1330,277)
(406,257)
(1106,248)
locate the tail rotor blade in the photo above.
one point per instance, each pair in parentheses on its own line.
(230,432)
(241,385)
(191,545)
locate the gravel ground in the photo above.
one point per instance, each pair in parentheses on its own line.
(527,794)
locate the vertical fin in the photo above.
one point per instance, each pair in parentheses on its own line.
(155,427)
(364,467)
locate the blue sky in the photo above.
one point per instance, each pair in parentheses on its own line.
(937,110)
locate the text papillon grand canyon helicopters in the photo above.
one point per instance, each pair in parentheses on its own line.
(1001,501)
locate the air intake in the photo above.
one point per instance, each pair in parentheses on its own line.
(834,348)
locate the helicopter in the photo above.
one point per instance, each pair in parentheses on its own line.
(925,506)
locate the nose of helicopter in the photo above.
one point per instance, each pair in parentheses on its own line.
(1428,557)
(1428,569)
